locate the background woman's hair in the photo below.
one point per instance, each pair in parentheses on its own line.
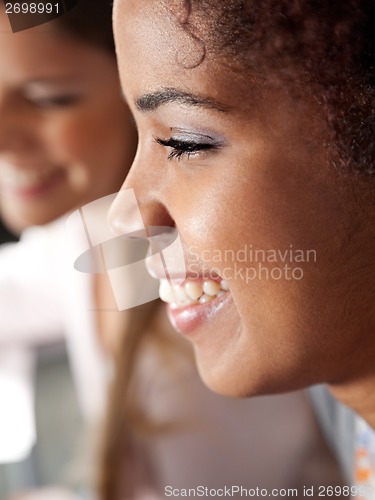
(91,21)
(125,466)
(117,474)
(323,46)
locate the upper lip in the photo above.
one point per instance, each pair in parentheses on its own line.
(156,270)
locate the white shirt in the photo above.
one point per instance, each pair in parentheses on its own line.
(44,300)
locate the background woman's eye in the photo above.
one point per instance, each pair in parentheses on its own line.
(181,148)
(59,101)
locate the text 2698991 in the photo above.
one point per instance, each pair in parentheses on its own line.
(32,8)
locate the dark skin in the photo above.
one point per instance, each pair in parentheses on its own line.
(268,181)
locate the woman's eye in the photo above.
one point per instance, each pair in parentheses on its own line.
(180,149)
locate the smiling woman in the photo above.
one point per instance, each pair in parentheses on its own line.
(65,140)
(256,126)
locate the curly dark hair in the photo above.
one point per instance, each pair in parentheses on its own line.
(328,45)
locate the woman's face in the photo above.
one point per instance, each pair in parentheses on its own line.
(65,134)
(240,168)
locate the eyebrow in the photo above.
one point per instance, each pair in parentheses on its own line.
(152,101)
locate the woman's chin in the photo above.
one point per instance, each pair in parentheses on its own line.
(218,381)
(17,220)
(226,381)
(232,373)
(235,357)
(222,363)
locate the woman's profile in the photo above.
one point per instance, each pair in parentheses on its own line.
(66,139)
(256,130)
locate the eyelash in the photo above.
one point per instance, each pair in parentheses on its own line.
(182,149)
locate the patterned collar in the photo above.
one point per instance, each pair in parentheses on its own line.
(364,460)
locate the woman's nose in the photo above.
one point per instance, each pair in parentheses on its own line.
(139,211)
(139,206)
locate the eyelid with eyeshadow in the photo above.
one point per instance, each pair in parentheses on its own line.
(189,144)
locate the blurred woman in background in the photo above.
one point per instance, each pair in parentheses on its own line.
(66,138)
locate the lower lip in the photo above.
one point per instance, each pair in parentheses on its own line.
(38,189)
(187,319)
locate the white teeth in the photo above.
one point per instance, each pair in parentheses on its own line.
(211,287)
(205,298)
(180,294)
(166,291)
(192,292)
(224,286)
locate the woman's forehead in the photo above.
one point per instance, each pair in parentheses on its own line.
(156,53)
(45,57)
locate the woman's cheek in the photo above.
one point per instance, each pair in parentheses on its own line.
(65,137)
(74,131)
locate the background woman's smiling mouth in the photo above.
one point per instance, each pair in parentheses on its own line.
(28,181)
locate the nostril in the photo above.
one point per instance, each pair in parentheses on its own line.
(161,237)
(155,215)
(129,214)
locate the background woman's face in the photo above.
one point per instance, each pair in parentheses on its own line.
(246,170)
(65,134)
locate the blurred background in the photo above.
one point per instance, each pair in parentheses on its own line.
(60,430)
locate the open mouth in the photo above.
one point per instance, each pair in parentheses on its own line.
(193,302)
(197,291)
